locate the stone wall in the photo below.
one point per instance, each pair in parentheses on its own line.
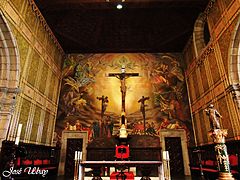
(36,69)
(209,70)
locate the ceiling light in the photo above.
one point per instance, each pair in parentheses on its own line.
(119,0)
(119,6)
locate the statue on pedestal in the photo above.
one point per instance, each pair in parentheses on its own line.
(218,136)
(214,117)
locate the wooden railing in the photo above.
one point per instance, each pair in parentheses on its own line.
(29,157)
(203,160)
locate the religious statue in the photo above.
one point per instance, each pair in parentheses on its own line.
(142,101)
(78,125)
(102,123)
(122,77)
(67,126)
(105,101)
(214,117)
(142,109)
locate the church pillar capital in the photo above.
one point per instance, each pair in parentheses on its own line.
(218,135)
(8,99)
(10,90)
(221,153)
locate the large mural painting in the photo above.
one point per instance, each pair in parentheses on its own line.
(92,100)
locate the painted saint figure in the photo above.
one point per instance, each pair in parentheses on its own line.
(214,116)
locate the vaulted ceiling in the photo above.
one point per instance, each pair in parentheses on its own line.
(97,26)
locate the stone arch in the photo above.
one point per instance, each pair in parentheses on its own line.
(198,34)
(9,76)
(234,55)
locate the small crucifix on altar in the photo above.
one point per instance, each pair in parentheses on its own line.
(122,76)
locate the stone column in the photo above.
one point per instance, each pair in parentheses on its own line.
(7,106)
(218,136)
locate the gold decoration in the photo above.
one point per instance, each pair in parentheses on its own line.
(225,176)
(218,135)
(123,131)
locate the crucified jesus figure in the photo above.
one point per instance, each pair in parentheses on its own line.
(142,109)
(123,88)
(105,101)
(102,124)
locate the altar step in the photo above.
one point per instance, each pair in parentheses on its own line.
(155,178)
(135,178)
(108,178)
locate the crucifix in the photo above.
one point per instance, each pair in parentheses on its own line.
(142,109)
(104,100)
(122,76)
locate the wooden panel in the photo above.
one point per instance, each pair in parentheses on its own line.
(142,148)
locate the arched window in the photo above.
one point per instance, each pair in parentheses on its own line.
(206,34)
(201,35)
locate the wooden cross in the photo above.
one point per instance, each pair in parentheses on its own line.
(123,88)
(142,109)
(104,100)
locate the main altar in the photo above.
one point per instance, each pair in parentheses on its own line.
(138,128)
(122,151)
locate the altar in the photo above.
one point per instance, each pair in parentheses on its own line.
(144,157)
(144,165)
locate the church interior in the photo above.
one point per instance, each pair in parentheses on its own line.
(120,89)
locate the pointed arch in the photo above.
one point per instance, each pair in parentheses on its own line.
(9,75)
(198,34)
(234,55)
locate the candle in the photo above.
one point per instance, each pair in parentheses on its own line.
(19,130)
(78,155)
(18,134)
(81,155)
(75,156)
(165,155)
(17,140)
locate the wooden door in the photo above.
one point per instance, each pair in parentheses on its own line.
(73,144)
(174,147)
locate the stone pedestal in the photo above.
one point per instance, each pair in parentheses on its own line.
(218,136)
